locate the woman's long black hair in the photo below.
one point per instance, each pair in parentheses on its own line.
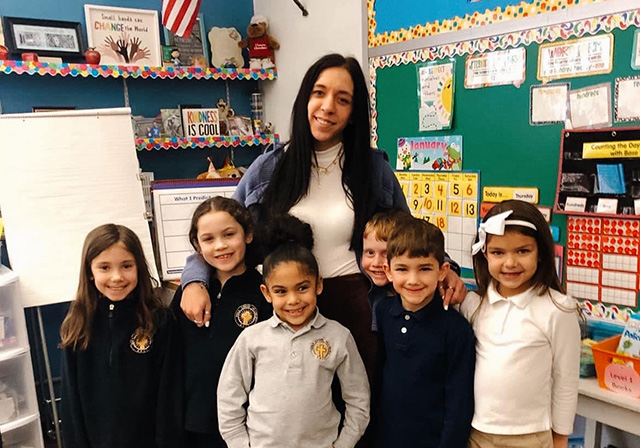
(290,179)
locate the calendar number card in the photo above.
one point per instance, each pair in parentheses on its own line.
(450,201)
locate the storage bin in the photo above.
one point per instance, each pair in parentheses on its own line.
(615,372)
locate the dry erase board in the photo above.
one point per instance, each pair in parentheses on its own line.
(173,205)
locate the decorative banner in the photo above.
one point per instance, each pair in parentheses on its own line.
(627,102)
(590,107)
(496,68)
(430,153)
(548,103)
(200,122)
(611,150)
(578,57)
(635,57)
(436,86)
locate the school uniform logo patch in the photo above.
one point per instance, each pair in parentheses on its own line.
(139,342)
(321,349)
(246,315)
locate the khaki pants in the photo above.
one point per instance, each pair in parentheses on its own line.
(534,440)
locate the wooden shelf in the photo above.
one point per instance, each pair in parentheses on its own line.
(121,71)
(218,142)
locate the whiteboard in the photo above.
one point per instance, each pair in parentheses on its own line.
(61,175)
(173,206)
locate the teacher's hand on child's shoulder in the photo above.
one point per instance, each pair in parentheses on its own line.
(452,289)
(196,304)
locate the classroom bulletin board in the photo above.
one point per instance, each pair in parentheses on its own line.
(494,122)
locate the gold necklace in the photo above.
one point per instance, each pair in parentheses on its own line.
(324,170)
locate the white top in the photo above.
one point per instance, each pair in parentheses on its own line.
(328,211)
(527,361)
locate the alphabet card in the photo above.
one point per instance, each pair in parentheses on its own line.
(200,122)
(449,200)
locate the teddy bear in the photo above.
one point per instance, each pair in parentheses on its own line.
(260,44)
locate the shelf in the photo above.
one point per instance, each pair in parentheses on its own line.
(14,424)
(5,355)
(121,71)
(205,142)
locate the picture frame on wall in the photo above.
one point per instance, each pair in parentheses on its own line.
(124,36)
(55,38)
(193,49)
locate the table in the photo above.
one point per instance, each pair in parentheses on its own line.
(601,406)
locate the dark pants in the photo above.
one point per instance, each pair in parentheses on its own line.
(203,440)
(346,300)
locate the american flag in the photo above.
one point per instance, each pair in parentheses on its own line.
(179,16)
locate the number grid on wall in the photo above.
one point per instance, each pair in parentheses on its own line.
(449,200)
(603,256)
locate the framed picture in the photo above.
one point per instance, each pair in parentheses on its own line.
(146,127)
(171,122)
(193,49)
(124,36)
(44,37)
(239,125)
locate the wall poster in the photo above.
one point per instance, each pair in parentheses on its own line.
(435,90)
(578,57)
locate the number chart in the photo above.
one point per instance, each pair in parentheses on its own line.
(450,201)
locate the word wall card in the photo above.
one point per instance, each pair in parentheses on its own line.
(603,256)
(450,201)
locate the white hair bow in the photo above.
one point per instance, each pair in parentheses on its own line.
(495,226)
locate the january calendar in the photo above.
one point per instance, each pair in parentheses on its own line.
(450,200)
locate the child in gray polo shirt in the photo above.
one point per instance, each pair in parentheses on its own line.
(275,386)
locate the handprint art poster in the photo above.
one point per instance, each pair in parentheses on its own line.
(124,36)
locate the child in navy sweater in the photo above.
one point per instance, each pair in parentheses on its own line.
(427,353)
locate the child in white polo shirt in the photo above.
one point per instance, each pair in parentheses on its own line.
(527,334)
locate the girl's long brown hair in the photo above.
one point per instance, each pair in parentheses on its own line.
(75,331)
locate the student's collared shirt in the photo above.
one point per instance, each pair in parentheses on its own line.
(286,377)
(527,364)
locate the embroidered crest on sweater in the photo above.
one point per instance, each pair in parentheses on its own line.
(321,349)
(246,315)
(139,342)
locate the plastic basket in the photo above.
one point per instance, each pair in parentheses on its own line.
(621,377)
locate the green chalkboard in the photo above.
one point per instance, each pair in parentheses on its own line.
(494,121)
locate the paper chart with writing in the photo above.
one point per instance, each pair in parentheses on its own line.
(496,68)
(173,207)
(436,85)
(549,103)
(578,57)
(590,107)
(627,102)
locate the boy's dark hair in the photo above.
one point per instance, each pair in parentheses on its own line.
(383,223)
(285,238)
(546,276)
(415,238)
